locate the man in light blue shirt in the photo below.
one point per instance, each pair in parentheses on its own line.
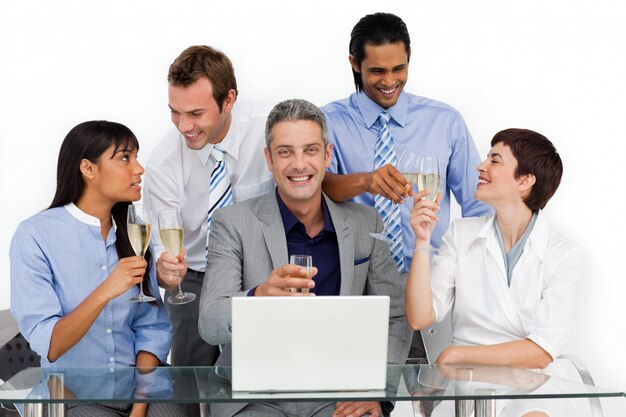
(379,55)
(380,48)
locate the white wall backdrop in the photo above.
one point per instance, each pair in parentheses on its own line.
(558,67)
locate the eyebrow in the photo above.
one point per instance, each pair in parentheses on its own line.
(306,145)
(494,155)
(123,150)
(189,111)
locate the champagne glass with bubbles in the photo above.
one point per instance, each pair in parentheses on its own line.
(428,177)
(408,165)
(138,226)
(172,237)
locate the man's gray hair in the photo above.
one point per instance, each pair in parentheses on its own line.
(293,110)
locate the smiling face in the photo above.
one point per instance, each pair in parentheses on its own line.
(298,159)
(116,177)
(196,114)
(497,183)
(384,71)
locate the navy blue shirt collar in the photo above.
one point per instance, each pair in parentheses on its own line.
(289,220)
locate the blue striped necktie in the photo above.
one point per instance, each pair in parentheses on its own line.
(385,153)
(220,190)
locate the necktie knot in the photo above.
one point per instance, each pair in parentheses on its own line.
(384,117)
(218,153)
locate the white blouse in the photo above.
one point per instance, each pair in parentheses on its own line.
(469,277)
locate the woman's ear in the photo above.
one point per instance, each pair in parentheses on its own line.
(87,168)
(527,181)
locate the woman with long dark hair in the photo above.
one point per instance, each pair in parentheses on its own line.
(73,269)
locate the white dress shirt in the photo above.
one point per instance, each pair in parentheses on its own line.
(470,278)
(177,176)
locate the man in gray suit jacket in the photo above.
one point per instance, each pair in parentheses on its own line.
(250,244)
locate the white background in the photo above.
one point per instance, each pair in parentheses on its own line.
(556,66)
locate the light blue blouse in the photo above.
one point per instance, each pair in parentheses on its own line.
(58,257)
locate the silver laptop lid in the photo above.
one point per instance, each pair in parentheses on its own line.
(334,343)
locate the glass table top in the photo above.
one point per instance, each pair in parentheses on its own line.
(212,384)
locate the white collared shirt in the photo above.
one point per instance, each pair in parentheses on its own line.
(470,278)
(177,176)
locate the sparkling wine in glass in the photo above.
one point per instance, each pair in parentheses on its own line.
(138,226)
(408,165)
(429,177)
(172,237)
(306,262)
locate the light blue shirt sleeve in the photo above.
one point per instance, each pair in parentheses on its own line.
(33,298)
(418,124)
(58,260)
(462,175)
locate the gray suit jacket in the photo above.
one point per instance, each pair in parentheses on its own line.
(248,241)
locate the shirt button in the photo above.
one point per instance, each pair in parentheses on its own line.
(111,369)
(111,359)
(104,267)
(109,330)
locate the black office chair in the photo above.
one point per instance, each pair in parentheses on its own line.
(15,356)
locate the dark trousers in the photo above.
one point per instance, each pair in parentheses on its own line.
(188,348)
(417,350)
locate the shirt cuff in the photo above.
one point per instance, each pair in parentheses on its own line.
(251,292)
(544,344)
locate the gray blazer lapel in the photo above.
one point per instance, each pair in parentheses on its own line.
(345,241)
(273,231)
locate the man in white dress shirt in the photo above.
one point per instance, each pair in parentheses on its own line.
(202,94)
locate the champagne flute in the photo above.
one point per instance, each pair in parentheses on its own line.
(306,262)
(429,177)
(408,165)
(172,236)
(138,226)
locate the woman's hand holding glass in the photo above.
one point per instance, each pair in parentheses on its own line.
(423,218)
(127,273)
(138,226)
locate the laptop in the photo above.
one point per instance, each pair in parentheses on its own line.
(303,344)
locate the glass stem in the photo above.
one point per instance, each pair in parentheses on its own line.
(180,289)
(141,283)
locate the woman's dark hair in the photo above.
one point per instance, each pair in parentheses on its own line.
(537,156)
(376,29)
(89,140)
